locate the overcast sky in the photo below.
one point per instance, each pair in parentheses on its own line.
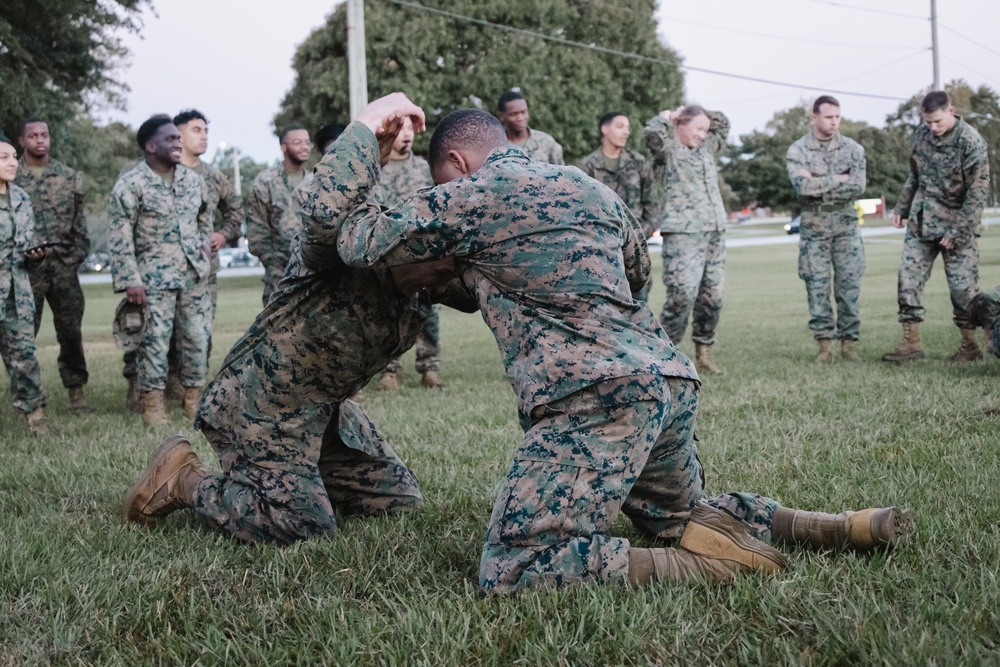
(232,58)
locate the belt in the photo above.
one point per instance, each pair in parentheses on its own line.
(825,208)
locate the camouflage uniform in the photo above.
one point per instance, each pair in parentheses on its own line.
(541,147)
(159,239)
(266,237)
(17,303)
(57,199)
(943,198)
(222,197)
(632,180)
(989,318)
(829,233)
(693,228)
(606,401)
(291,444)
(398,179)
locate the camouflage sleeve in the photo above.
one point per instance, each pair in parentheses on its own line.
(637,264)
(976,175)
(556,156)
(260,236)
(718,132)
(905,199)
(857,177)
(79,237)
(22,242)
(805,186)
(649,196)
(231,207)
(123,214)
(659,136)
(587,166)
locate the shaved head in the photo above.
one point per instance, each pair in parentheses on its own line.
(466,130)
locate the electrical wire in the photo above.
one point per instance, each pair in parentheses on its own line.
(624,54)
(968,39)
(869,9)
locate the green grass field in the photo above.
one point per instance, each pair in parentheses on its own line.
(79,587)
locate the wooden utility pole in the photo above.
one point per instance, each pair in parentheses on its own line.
(356,72)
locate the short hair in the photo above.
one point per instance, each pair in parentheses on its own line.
(150,127)
(825,99)
(507,97)
(189,115)
(690,112)
(466,128)
(285,130)
(28,121)
(327,134)
(607,118)
(935,101)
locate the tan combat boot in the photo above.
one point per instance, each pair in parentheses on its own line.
(154,412)
(910,348)
(849,352)
(431,380)
(36,422)
(825,355)
(77,403)
(192,396)
(703,360)
(388,382)
(133,398)
(174,390)
(969,349)
(864,530)
(168,484)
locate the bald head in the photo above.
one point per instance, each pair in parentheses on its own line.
(461,142)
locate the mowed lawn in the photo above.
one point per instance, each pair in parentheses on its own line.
(80,587)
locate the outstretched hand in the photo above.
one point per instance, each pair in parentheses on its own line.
(385,117)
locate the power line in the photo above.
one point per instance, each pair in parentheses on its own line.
(624,54)
(868,9)
(982,74)
(790,39)
(969,39)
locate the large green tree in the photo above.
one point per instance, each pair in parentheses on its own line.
(57,55)
(444,63)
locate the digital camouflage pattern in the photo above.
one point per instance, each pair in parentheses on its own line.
(57,198)
(291,444)
(541,147)
(984,311)
(399,178)
(693,226)
(552,256)
(267,237)
(692,201)
(632,180)
(694,274)
(943,198)
(17,303)
(222,197)
(828,231)
(159,238)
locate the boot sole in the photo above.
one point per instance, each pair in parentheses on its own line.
(132,512)
(885,527)
(714,534)
(908,357)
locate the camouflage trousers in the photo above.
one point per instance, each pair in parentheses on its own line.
(17,349)
(840,247)
(60,286)
(283,491)
(961,266)
(189,311)
(428,347)
(694,272)
(174,354)
(624,444)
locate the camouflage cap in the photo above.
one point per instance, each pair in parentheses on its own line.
(129,325)
(984,309)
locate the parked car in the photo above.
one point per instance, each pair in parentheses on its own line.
(242,257)
(655,241)
(96,262)
(793,226)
